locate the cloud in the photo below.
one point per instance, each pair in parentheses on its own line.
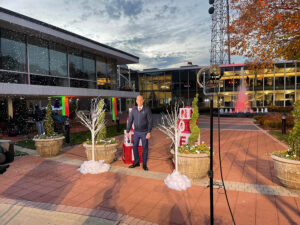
(127,8)
(162,34)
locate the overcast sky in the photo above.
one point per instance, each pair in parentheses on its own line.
(162,33)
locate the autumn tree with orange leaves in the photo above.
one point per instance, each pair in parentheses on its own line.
(265,30)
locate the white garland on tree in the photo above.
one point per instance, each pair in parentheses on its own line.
(93,123)
(169,126)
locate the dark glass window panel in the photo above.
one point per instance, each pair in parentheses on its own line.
(268,82)
(38,56)
(82,84)
(184,80)
(112,74)
(10,77)
(185,86)
(142,82)
(279,83)
(58,60)
(48,81)
(193,80)
(176,91)
(134,79)
(13,51)
(290,82)
(3,109)
(75,64)
(89,69)
(259,82)
(229,85)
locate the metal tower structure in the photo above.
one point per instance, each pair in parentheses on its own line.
(219,51)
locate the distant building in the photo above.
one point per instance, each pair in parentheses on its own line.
(278,85)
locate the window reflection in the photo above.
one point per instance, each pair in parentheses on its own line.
(38,55)
(89,70)
(82,83)
(13,51)
(75,64)
(47,80)
(10,77)
(58,60)
(112,73)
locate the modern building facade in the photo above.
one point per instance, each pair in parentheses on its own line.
(278,84)
(38,60)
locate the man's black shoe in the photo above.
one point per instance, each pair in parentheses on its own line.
(134,165)
(145,168)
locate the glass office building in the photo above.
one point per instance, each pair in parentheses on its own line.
(278,85)
(38,60)
(163,87)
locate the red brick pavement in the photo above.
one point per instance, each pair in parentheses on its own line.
(244,159)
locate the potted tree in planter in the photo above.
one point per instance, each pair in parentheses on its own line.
(287,163)
(193,158)
(99,148)
(50,143)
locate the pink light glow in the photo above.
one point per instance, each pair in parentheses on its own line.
(242,103)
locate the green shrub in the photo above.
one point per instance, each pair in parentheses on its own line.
(280,109)
(193,123)
(49,129)
(273,120)
(257,118)
(102,132)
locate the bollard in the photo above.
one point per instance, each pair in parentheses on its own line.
(118,123)
(67,131)
(283,127)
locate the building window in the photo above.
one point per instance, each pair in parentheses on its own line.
(48,81)
(75,64)
(58,60)
(176,91)
(101,71)
(12,77)
(89,69)
(38,56)
(112,73)
(13,51)
(82,83)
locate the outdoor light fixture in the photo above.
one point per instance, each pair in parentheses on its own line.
(211,10)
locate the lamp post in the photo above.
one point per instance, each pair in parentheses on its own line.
(283,127)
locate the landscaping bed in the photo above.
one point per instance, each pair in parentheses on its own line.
(77,138)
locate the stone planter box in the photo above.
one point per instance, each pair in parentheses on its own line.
(48,147)
(106,152)
(194,166)
(287,171)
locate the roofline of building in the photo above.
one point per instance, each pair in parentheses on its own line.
(9,89)
(18,15)
(199,67)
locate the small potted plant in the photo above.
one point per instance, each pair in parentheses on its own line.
(48,144)
(287,162)
(100,147)
(193,158)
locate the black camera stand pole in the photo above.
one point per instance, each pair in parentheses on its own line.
(211,172)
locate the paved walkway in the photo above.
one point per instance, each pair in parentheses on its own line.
(134,196)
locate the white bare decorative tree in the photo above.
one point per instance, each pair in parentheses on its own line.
(170,127)
(92,120)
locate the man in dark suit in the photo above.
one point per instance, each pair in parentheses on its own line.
(141,117)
